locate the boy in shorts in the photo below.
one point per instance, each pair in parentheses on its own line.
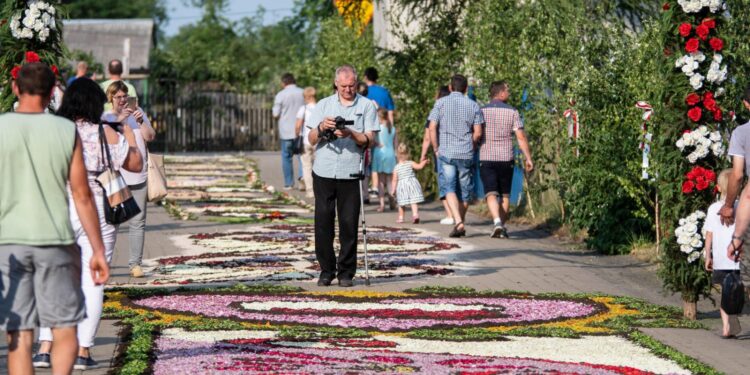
(40,266)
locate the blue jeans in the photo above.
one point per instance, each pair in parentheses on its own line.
(457,177)
(287,162)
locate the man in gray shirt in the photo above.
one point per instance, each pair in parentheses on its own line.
(335,173)
(739,148)
(285,106)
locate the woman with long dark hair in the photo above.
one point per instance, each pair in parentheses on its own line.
(83,104)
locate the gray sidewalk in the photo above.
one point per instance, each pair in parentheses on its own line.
(530,260)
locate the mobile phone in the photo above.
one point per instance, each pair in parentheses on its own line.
(132,102)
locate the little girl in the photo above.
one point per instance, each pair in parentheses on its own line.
(718,237)
(384,159)
(405,184)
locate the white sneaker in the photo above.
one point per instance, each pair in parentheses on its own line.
(446,221)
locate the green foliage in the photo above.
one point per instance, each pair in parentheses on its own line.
(88,57)
(336,44)
(692,365)
(303,333)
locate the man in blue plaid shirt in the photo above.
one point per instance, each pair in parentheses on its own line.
(460,122)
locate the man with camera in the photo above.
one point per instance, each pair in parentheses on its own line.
(341,128)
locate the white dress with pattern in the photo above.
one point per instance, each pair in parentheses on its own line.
(408,190)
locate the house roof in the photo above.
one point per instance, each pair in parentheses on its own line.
(109,39)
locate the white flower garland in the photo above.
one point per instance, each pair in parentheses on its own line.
(689,64)
(689,237)
(37,21)
(704,142)
(695,6)
(716,72)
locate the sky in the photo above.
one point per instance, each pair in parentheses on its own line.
(180,15)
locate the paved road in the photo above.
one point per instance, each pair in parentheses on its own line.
(531,260)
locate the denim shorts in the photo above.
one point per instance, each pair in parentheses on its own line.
(457,176)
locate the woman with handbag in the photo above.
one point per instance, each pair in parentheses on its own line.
(136,120)
(83,103)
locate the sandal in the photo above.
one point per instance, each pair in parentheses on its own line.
(415,220)
(400,220)
(455,233)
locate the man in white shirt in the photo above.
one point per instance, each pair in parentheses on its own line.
(285,107)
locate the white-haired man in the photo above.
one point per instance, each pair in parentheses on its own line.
(338,154)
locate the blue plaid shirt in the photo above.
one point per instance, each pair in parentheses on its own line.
(456,115)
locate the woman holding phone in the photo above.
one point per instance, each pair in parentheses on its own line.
(123,104)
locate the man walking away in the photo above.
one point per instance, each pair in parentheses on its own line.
(337,161)
(379,94)
(115,74)
(496,156)
(460,122)
(40,266)
(285,107)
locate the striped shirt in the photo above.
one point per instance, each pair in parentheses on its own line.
(457,116)
(501,121)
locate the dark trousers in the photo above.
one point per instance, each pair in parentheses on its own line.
(334,196)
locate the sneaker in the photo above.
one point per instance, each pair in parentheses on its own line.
(288,187)
(346,283)
(446,221)
(41,360)
(136,271)
(85,363)
(497,231)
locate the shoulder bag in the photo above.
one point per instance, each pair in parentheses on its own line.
(157,178)
(298,147)
(733,291)
(119,205)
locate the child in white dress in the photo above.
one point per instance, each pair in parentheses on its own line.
(405,184)
(717,237)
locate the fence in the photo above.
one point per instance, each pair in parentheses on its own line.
(189,119)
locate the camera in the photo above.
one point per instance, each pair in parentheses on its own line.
(341,123)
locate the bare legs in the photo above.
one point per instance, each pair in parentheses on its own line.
(458,209)
(498,210)
(63,354)
(383,182)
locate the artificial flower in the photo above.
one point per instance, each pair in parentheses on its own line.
(709,102)
(692,99)
(695,114)
(14,71)
(692,45)
(32,57)
(709,22)
(55,70)
(716,44)
(688,187)
(686,29)
(718,115)
(702,31)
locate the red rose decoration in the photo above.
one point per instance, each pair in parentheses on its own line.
(32,57)
(55,70)
(14,72)
(710,23)
(710,175)
(686,29)
(701,183)
(665,7)
(716,44)
(718,115)
(692,99)
(702,31)
(687,187)
(710,103)
(695,114)
(692,45)
(708,94)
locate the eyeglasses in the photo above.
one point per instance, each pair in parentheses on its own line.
(120,97)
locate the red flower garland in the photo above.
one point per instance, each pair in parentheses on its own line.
(32,57)
(14,71)
(702,31)
(693,99)
(698,179)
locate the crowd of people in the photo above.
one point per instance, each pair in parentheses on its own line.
(472,145)
(53,272)
(337,162)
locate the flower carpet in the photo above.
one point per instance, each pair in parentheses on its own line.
(287,252)
(226,189)
(278,329)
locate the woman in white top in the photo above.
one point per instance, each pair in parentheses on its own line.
(117,94)
(303,119)
(83,103)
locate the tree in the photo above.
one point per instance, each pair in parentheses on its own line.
(117,9)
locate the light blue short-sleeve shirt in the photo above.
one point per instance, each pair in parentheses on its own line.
(340,159)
